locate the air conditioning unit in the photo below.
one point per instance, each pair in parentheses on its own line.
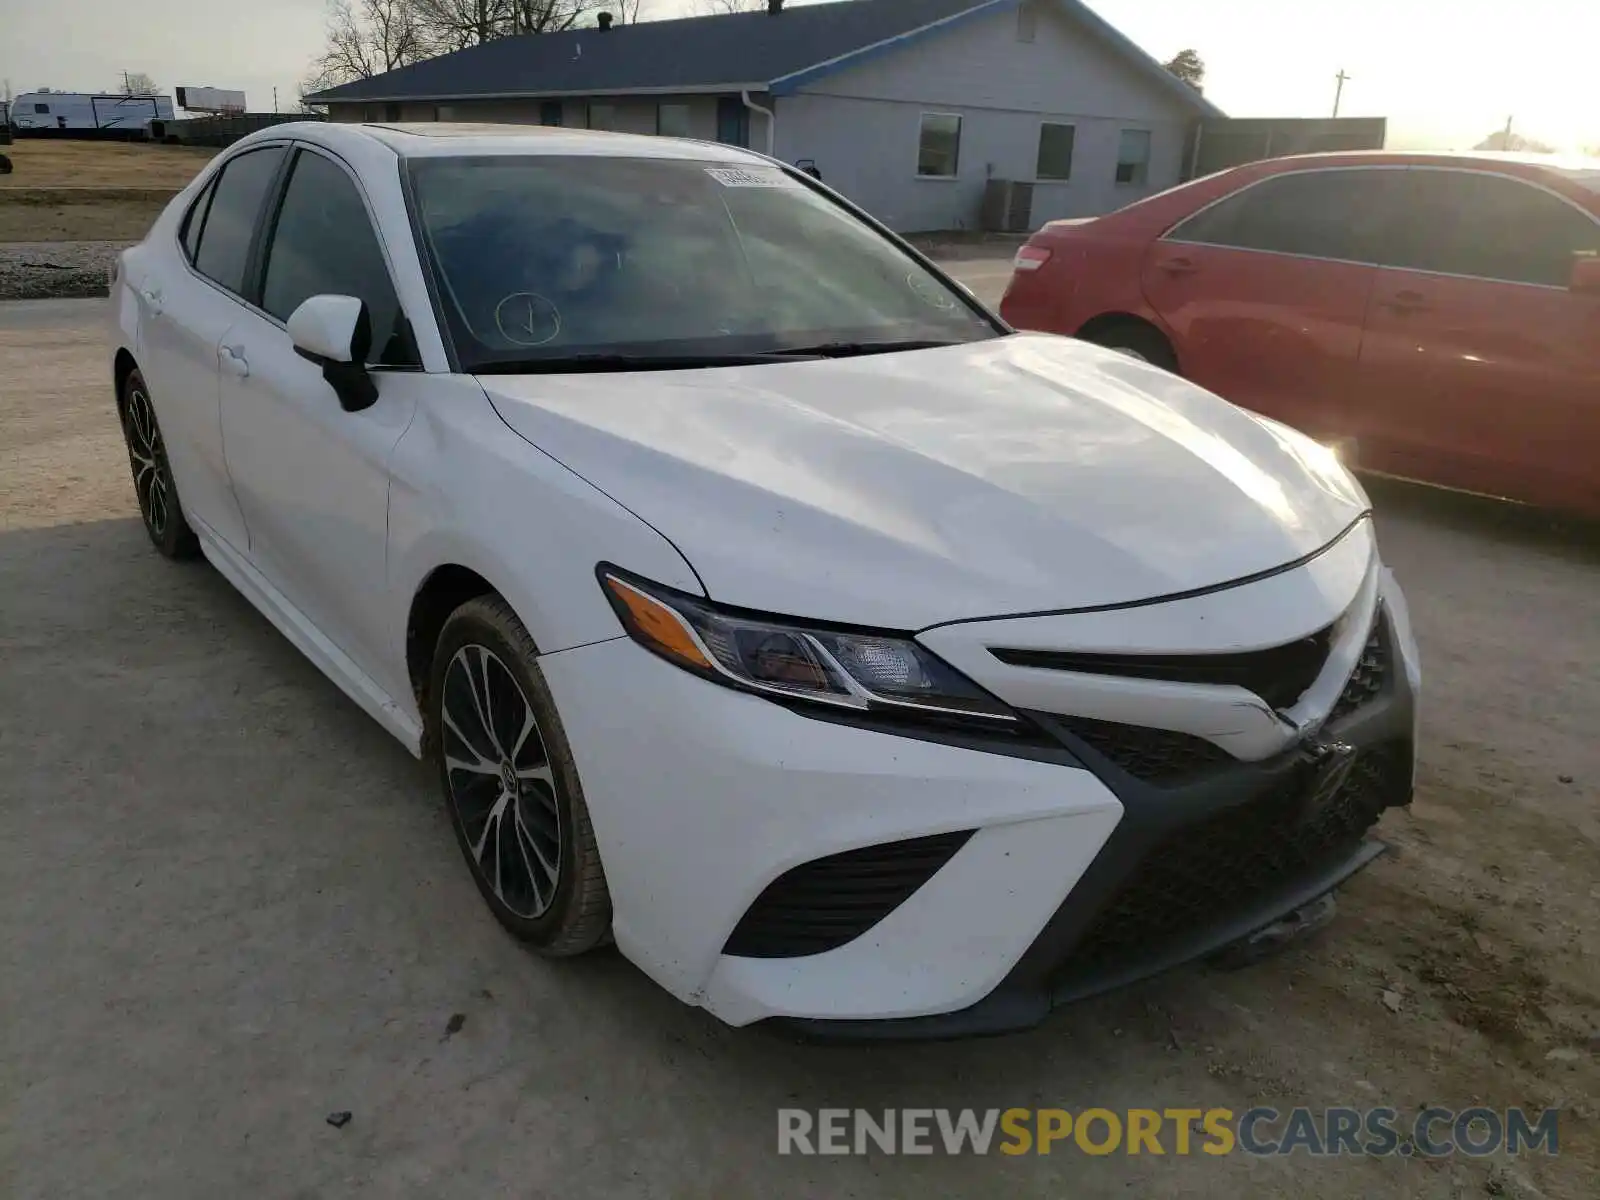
(1007,206)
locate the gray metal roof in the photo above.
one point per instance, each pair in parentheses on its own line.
(758,50)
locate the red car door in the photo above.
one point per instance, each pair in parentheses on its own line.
(1266,291)
(1480,365)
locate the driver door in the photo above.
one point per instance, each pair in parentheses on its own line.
(312,479)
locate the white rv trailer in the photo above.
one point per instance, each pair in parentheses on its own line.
(87,110)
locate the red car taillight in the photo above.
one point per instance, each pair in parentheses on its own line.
(1030,258)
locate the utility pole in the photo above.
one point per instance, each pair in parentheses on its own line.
(274,98)
(1505,144)
(1338,90)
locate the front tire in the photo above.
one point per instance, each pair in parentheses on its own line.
(153,484)
(511,785)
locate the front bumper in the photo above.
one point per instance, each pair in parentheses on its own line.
(1061,873)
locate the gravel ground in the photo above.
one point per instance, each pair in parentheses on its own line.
(230,905)
(44,270)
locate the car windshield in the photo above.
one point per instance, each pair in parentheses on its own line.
(543,260)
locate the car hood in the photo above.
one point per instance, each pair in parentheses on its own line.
(1026,473)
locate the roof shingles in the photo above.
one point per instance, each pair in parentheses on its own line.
(724,52)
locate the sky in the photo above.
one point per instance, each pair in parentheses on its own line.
(1445,72)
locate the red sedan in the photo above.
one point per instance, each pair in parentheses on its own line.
(1437,315)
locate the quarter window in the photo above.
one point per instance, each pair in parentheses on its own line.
(324,244)
(1491,227)
(1133,156)
(1055,152)
(939,146)
(42,109)
(235,210)
(1346,214)
(195,222)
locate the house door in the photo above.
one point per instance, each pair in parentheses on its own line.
(733,121)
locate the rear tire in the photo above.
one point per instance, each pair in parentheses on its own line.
(1137,340)
(153,484)
(511,784)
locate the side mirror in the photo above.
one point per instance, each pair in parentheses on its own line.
(335,332)
(1586,274)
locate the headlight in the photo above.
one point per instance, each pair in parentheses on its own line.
(861,671)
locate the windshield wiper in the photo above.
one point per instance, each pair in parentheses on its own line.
(573,364)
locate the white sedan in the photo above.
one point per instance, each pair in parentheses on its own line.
(765,603)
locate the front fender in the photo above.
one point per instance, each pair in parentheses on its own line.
(466,489)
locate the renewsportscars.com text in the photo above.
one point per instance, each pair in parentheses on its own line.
(1429,1132)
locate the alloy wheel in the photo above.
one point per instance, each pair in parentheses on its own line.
(151,480)
(499,777)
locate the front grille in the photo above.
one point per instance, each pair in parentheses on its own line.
(1161,756)
(1204,873)
(1370,676)
(823,904)
(1279,675)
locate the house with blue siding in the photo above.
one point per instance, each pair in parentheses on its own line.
(908,107)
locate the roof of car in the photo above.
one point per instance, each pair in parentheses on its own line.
(450,139)
(1491,158)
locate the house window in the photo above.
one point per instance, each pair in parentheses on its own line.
(1027,22)
(444,112)
(602,116)
(391,112)
(1133,156)
(550,112)
(672,120)
(1055,152)
(939,146)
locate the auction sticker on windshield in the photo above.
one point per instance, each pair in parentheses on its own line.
(745,177)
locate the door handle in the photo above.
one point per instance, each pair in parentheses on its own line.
(151,298)
(234,362)
(1178,266)
(1407,302)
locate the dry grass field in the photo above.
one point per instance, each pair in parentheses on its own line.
(90,191)
(53,164)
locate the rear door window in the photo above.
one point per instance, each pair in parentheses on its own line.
(1490,226)
(1347,214)
(237,198)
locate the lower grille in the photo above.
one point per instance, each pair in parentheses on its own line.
(823,904)
(1206,872)
(1370,676)
(1161,756)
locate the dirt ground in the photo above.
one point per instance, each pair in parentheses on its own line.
(229,905)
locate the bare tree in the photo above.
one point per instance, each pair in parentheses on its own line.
(547,16)
(448,25)
(716,8)
(1500,140)
(137,83)
(367,38)
(627,11)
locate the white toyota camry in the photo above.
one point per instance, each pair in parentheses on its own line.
(765,602)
